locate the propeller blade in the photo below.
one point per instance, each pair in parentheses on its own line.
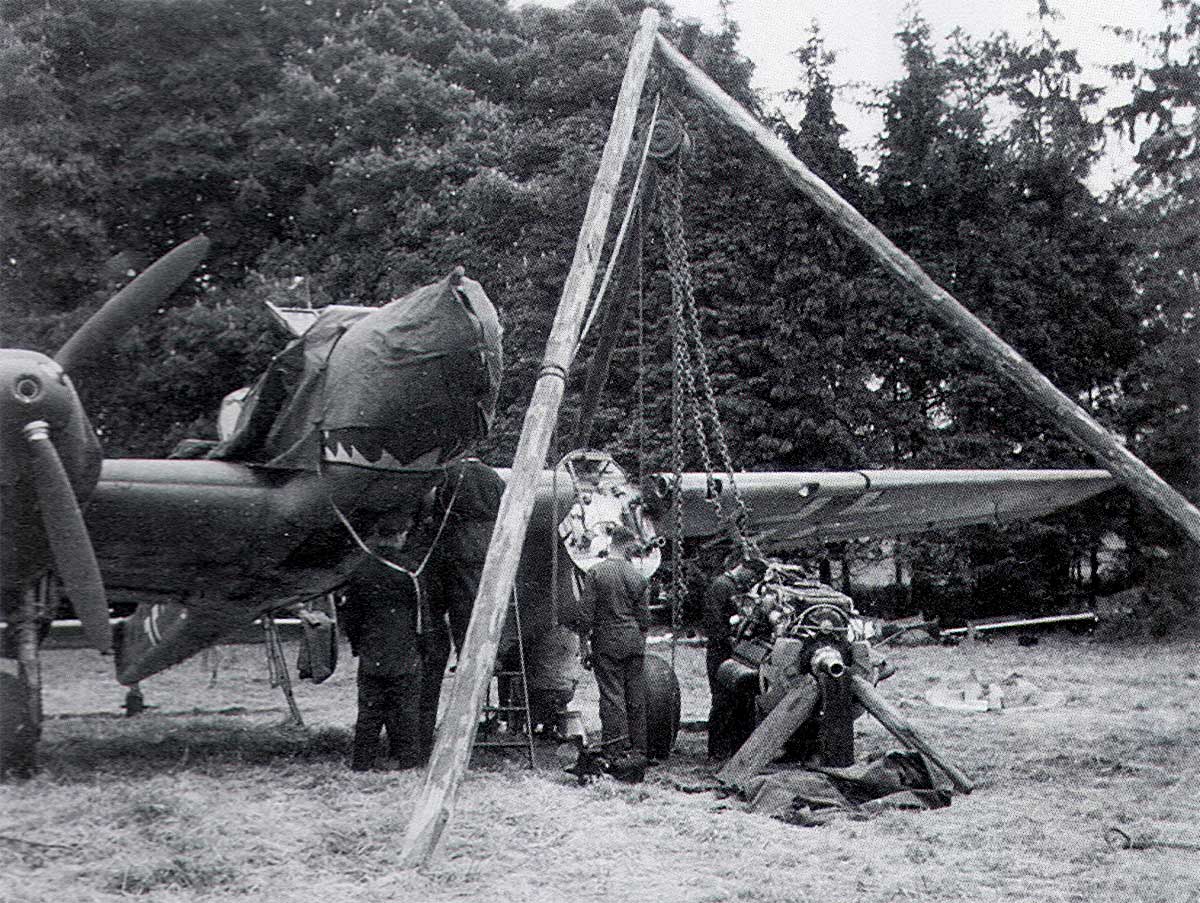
(74,558)
(132,303)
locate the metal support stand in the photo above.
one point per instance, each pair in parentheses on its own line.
(277,668)
(135,702)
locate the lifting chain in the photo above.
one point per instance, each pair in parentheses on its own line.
(691,366)
(678,583)
(641,348)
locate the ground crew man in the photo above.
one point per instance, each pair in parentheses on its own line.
(459,525)
(731,719)
(472,492)
(380,620)
(614,616)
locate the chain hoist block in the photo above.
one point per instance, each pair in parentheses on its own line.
(669,138)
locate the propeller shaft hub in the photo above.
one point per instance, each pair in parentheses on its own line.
(36,431)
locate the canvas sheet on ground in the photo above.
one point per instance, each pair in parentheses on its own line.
(896,780)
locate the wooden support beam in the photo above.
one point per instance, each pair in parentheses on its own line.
(21,681)
(903,731)
(990,348)
(766,743)
(456,733)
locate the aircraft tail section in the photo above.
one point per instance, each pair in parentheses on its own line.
(162,634)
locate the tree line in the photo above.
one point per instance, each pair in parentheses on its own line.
(347,150)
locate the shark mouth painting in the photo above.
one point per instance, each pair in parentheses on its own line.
(375,449)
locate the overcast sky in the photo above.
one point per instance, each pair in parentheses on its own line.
(862,34)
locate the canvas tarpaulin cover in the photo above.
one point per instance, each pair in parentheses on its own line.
(416,376)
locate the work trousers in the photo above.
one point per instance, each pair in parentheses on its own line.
(435,652)
(622,687)
(460,585)
(731,719)
(391,702)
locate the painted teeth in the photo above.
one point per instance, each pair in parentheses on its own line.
(342,454)
(388,461)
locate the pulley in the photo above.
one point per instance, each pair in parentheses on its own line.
(669,138)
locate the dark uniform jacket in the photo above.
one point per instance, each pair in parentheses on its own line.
(719,607)
(614,609)
(380,620)
(473,491)
(476,490)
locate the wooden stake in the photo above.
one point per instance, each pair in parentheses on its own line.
(457,731)
(994,352)
(903,731)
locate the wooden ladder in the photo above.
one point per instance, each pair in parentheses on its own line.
(511,706)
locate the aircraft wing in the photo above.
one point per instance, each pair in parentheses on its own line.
(793,509)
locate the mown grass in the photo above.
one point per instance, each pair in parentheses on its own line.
(186,805)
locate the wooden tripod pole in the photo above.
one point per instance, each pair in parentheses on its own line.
(456,735)
(902,730)
(994,351)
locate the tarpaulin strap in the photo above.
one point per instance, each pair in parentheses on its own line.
(414,575)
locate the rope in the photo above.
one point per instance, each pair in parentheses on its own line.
(615,254)
(414,575)
(554,540)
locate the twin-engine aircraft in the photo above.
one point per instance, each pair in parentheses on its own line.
(356,419)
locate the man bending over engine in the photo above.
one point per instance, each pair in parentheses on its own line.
(731,718)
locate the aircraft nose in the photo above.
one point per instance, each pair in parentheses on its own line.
(33,387)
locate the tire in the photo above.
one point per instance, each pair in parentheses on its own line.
(663,705)
(19,725)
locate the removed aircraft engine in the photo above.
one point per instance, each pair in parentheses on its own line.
(789,626)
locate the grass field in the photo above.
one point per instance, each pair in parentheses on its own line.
(207,797)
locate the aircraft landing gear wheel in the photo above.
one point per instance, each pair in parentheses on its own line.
(20,688)
(19,727)
(663,703)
